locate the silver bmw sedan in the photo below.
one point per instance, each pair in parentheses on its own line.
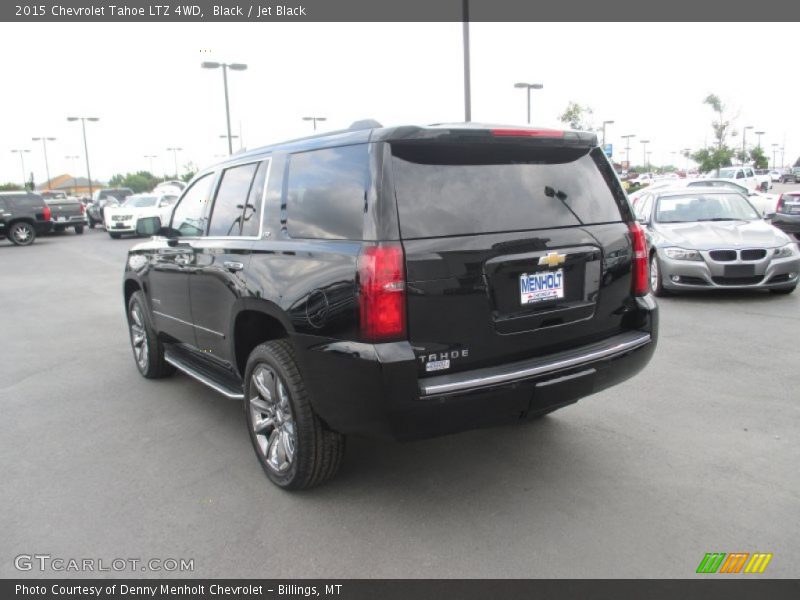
(702,238)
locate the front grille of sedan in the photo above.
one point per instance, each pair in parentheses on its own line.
(723,255)
(121,217)
(738,280)
(731,255)
(753,254)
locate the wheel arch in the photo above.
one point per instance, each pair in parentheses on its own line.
(253,322)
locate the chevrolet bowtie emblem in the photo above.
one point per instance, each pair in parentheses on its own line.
(552,259)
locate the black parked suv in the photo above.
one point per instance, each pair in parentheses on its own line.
(23,216)
(403,282)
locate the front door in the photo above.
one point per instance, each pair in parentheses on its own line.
(173,263)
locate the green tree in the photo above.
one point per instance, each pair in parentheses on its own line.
(712,158)
(577,116)
(141,181)
(190,170)
(10,187)
(760,159)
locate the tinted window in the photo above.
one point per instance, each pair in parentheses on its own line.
(28,201)
(188,217)
(454,189)
(231,196)
(327,193)
(252,214)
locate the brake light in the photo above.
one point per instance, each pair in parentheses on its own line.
(640,280)
(82,208)
(779,206)
(47,214)
(539,133)
(382,292)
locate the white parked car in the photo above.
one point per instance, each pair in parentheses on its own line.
(122,219)
(744,176)
(775,176)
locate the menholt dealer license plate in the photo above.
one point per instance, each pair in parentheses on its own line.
(538,287)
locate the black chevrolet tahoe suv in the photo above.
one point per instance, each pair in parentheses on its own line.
(403,282)
(23,215)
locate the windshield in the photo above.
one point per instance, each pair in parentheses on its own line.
(140,201)
(727,173)
(119,195)
(690,208)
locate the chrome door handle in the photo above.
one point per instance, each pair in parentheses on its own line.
(233,265)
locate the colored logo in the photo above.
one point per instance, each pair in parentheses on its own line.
(735,562)
(553,259)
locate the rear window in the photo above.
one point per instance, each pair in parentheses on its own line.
(327,192)
(29,201)
(460,189)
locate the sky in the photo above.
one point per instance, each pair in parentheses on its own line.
(145,84)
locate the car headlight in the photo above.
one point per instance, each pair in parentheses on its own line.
(682,254)
(783,251)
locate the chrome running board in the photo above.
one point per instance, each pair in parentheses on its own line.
(204,376)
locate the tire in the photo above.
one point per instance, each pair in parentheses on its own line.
(656,281)
(148,350)
(295,448)
(21,233)
(783,290)
(79,229)
(115,236)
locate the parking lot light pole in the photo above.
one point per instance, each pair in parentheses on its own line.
(465,40)
(150,158)
(604,132)
(644,151)
(759,134)
(744,138)
(528,87)
(627,139)
(314,120)
(44,141)
(686,154)
(85,145)
(21,152)
(774,153)
(225,67)
(175,150)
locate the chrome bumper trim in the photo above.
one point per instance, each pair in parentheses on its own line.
(490,376)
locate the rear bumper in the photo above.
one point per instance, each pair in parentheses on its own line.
(374,389)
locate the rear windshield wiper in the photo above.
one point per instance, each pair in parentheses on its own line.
(721,219)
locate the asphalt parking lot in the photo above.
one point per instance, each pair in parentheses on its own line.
(697,454)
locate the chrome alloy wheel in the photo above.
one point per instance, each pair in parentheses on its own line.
(271,418)
(23,233)
(138,337)
(654,274)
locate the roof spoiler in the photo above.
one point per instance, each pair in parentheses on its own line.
(364,124)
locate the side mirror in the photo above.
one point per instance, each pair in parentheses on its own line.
(148,226)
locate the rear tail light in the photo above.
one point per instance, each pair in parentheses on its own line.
(82,208)
(779,206)
(640,280)
(539,133)
(47,214)
(382,292)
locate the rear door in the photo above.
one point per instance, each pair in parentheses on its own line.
(5,215)
(514,248)
(220,259)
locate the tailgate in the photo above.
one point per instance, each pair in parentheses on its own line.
(512,252)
